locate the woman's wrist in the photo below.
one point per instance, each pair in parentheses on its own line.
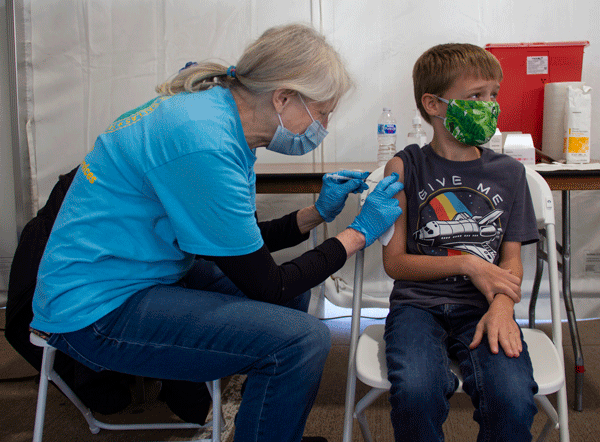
(352,240)
(308,218)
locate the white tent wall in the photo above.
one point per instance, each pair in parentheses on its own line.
(8,229)
(95,59)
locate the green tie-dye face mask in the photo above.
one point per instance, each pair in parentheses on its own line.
(471,122)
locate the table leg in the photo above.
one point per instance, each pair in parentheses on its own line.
(566,282)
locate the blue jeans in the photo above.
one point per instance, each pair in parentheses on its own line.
(419,343)
(203,329)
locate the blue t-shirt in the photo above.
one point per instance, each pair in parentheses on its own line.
(169,180)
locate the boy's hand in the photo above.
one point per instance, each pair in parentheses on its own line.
(500,326)
(491,279)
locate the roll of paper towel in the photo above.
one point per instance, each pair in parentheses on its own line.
(553,129)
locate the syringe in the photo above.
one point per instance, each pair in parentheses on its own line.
(341,178)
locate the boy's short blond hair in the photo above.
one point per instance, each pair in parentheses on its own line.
(438,68)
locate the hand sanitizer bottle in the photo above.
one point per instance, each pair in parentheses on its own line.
(416,135)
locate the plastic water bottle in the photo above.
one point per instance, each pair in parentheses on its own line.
(416,135)
(386,137)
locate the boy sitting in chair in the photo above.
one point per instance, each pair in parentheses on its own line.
(455,257)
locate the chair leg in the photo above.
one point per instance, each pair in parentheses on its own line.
(217,412)
(47,374)
(364,427)
(361,406)
(349,407)
(537,279)
(40,411)
(563,414)
(552,421)
(92,422)
(555,420)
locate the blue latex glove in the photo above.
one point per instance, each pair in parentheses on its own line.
(335,190)
(380,210)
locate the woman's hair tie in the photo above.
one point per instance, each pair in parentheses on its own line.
(188,64)
(231,71)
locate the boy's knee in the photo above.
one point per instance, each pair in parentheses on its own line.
(415,398)
(515,407)
(511,407)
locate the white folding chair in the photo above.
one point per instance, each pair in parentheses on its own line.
(367,350)
(48,373)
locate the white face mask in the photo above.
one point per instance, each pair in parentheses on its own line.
(288,143)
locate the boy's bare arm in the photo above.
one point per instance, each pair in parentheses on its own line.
(498,322)
(490,279)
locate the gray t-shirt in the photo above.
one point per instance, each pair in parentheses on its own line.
(460,207)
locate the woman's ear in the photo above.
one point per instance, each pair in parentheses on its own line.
(431,104)
(280,98)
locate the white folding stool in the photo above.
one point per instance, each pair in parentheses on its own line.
(47,373)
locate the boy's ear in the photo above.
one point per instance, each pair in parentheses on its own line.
(431,104)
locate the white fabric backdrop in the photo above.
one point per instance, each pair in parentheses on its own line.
(94,59)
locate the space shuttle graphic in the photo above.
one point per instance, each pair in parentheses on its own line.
(465,232)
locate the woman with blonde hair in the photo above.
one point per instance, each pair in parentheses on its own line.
(157,265)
